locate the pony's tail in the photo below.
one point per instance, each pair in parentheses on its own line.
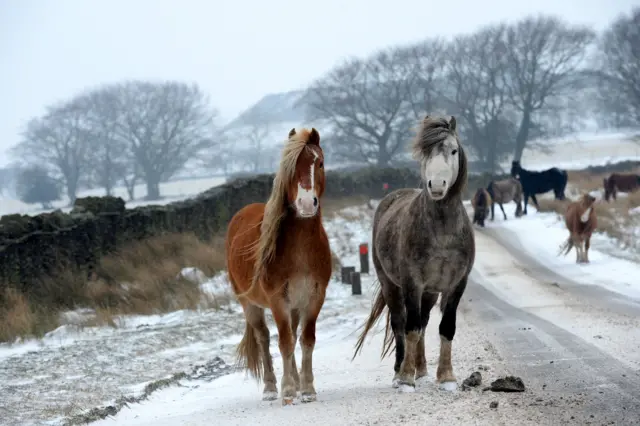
(248,353)
(566,247)
(376,311)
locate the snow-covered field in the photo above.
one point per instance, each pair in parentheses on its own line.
(170,191)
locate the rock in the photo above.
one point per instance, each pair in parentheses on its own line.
(474,380)
(494,404)
(507,384)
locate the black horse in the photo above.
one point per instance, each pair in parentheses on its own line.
(539,182)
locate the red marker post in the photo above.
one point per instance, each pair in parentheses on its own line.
(364,258)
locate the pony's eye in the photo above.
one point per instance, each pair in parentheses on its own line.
(321,164)
(454,152)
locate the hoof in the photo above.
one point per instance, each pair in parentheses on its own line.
(269,395)
(308,397)
(287,401)
(448,386)
(406,388)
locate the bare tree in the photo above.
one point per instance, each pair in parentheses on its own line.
(545,56)
(255,156)
(365,104)
(164,125)
(58,139)
(109,155)
(476,70)
(618,65)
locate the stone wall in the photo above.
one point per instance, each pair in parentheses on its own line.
(35,247)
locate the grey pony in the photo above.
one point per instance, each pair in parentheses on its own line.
(423,245)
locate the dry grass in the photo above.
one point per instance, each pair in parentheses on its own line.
(142,278)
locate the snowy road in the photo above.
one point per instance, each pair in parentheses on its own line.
(576,347)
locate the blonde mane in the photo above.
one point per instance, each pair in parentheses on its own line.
(276,209)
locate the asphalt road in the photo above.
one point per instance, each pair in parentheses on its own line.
(550,358)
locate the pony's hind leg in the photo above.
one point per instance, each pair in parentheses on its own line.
(503,213)
(255,319)
(428,300)
(412,331)
(398,320)
(286,343)
(308,342)
(449,307)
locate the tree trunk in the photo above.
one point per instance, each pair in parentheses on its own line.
(523,135)
(153,189)
(72,188)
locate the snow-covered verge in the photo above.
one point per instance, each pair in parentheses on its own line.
(541,234)
(75,368)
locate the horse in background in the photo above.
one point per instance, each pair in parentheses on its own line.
(540,182)
(423,245)
(581,220)
(278,257)
(504,191)
(481,203)
(624,182)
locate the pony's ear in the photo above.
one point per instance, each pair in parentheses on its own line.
(292,132)
(426,117)
(452,123)
(314,137)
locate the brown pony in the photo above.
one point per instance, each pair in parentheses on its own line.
(581,221)
(625,182)
(504,191)
(278,257)
(481,203)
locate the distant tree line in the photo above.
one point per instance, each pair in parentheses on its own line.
(508,84)
(118,134)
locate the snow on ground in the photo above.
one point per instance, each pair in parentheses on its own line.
(170,191)
(541,234)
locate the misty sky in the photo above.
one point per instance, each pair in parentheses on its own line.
(236,50)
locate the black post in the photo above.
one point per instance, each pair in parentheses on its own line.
(356,287)
(346,274)
(364,258)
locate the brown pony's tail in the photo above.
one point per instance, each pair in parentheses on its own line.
(566,247)
(376,311)
(248,353)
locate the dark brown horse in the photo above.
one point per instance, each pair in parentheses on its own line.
(481,202)
(623,182)
(581,220)
(278,258)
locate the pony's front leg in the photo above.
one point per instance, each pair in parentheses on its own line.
(428,300)
(308,342)
(587,244)
(503,213)
(526,202)
(449,307)
(282,316)
(295,321)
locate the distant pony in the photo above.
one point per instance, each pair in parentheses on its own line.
(540,182)
(581,220)
(481,203)
(620,182)
(504,191)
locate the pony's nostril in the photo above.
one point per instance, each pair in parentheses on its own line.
(444,183)
(429,184)
(315,201)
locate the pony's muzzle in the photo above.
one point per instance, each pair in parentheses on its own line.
(437,187)
(307,206)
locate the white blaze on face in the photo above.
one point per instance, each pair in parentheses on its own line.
(585,216)
(307,199)
(441,169)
